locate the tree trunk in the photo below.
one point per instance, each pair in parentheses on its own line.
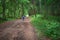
(22,9)
(3,6)
(34,7)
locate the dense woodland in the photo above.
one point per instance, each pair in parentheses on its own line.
(15,9)
(45,14)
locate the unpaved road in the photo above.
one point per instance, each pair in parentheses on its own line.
(17,30)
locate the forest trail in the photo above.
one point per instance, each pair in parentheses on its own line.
(17,30)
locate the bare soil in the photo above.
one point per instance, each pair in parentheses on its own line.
(17,30)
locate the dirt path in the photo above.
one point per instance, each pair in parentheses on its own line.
(17,30)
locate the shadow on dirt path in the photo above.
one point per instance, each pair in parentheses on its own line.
(17,30)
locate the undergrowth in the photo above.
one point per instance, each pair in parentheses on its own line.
(50,26)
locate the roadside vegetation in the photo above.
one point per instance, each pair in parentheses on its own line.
(48,26)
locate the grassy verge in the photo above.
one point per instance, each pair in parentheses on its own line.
(50,26)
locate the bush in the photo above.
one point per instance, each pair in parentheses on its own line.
(50,27)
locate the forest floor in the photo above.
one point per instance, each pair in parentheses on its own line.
(18,30)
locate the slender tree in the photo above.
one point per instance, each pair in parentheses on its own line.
(4,7)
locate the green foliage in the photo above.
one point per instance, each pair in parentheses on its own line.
(52,6)
(13,9)
(48,22)
(50,27)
